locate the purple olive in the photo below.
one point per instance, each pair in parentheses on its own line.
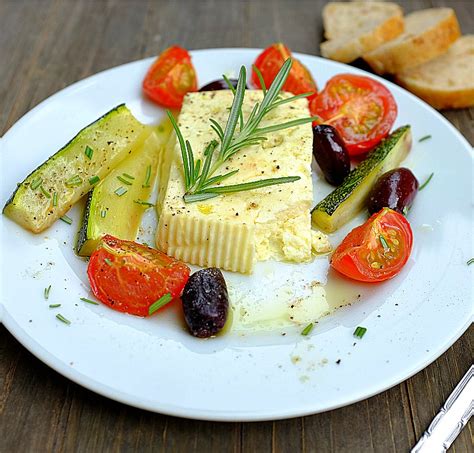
(395,189)
(219,84)
(205,302)
(330,153)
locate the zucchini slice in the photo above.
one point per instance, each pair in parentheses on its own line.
(50,190)
(116,205)
(347,200)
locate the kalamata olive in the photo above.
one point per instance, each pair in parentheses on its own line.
(330,153)
(395,189)
(205,302)
(219,84)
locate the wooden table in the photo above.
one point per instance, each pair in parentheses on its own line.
(47,45)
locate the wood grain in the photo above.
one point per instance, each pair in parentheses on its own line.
(46,45)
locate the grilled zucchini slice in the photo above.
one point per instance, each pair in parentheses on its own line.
(347,200)
(50,190)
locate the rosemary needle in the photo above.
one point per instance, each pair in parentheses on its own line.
(89,301)
(307,329)
(63,319)
(426,182)
(46,292)
(161,302)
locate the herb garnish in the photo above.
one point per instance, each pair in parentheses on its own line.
(54,305)
(125,181)
(126,175)
(200,184)
(66,219)
(94,180)
(36,183)
(422,139)
(107,261)
(103,213)
(121,191)
(45,192)
(63,319)
(471,261)
(307,329)
(147,177)
(89,152)
(359,332)
(385,246)
(55,199)
(144,203)
(46,292)
(161,302)
(74,181)
(426,182)
(93,302)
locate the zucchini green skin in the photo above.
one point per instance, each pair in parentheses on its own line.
(347,200)
(106,212)
(111,137)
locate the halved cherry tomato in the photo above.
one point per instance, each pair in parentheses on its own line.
(360,108)
(170,77)
(130,277)
(376,250)
(270,61)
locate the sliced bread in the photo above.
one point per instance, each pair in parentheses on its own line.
(446,81)
(428,34)
(354,29)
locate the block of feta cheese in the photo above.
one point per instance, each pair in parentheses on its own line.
(234,231)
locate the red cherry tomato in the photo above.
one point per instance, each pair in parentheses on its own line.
(360,108)
(170,77)
(270,61)
(130,277)
(376,250)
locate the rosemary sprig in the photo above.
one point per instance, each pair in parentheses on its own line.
(199,180)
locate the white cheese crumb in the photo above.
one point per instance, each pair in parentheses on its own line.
(320,243)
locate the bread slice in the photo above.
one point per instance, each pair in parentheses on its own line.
(354,29)
(447,81)
(428,34)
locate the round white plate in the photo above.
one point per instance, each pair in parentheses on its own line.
(155,364)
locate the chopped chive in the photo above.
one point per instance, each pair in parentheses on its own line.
(45,192)
(359,332)
(103,213)
(89,152)
(385,246)
(126,175)
(107,261)
(470,261)
(125,181)
(307,329)
(94,180)
(426,182)
(54,305)
(55,199)
(161,302)
(144,203)
(46,292)
(66,219)
(147,177)
(75,181)
(93,302)
(120,191)
(63,319)
(36,183)
(422,139)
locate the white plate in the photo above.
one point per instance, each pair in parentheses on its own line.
(154,364)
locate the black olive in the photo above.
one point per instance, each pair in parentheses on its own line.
(205,302)
(395,189)
(330,153)
(219,84)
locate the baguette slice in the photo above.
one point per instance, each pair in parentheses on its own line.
(447,81)
(354,29)
(428,34)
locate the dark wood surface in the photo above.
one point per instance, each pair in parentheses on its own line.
(47,45)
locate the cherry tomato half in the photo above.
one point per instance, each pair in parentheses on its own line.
(376,250)
(130,277)
(170,77)
(270,61)
(360,108)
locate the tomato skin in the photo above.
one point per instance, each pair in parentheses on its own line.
(362,255)
(360,108)
(269,63)
(170,77)
(129,277)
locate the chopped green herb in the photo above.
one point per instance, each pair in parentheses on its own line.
(385,246)
(405,211)
(55,199)
(93,302)
(107,261)
(46,292)
(63,319)
(126,175)
(147,177)
(54,305)
(45,192)
(426,182)
(75,181)
(66,219)
(471,261)
(125,181)
(359,332)
(307,329)
(161,302)
(103,213)
(121,191)
(36,183)
(426,137)
(89,152)
(94,180)
(144,203)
